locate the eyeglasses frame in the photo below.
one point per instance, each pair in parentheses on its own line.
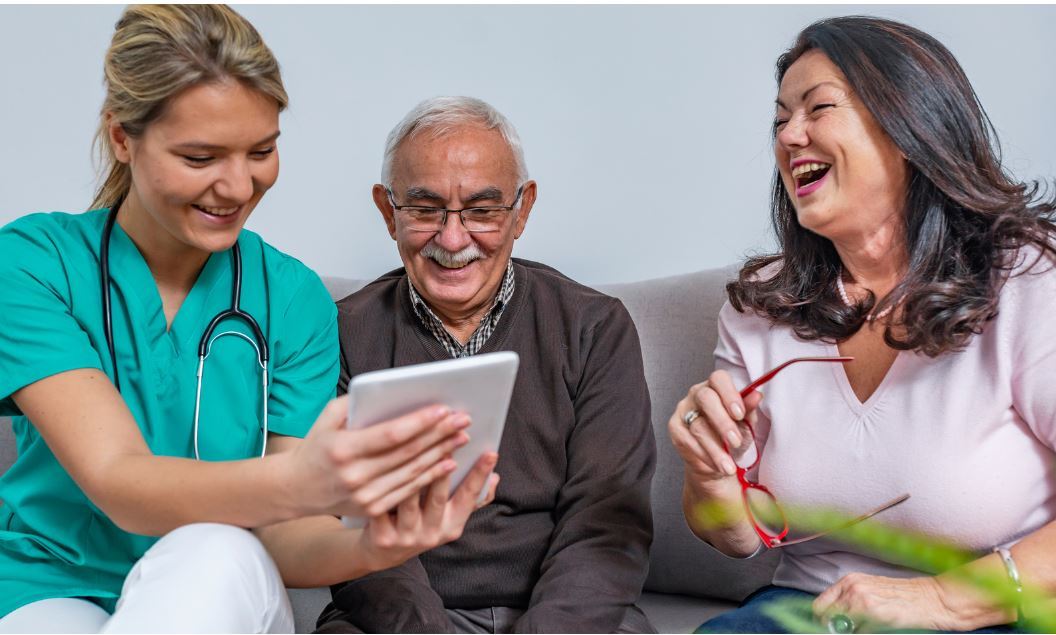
(445,211)
(774,541)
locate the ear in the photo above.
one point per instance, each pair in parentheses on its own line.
(527,201)
(118,138)
(381,201)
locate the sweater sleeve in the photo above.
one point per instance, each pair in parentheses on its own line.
(598,557)
(1029,299)
(396,600)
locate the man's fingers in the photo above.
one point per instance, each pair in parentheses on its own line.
(465,497)
(435,500)
(391,499)
(386,478)
(408,513)
(493,486)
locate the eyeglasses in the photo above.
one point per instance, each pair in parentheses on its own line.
(764,512)
(489,218)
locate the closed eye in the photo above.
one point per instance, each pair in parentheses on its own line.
(261,154)
(199,160)
(822,107)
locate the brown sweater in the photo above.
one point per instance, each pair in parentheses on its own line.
(568,535)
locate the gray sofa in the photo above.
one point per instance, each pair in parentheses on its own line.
(688,581)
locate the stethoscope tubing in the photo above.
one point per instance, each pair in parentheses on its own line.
(258,341)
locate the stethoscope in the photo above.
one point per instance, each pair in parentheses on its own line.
(205,345)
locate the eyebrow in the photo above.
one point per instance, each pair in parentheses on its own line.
(490,193)
(807,92)
(202,145)
(417,192)
(423,193)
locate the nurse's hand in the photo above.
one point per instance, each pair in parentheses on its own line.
(367,472)
(428,518)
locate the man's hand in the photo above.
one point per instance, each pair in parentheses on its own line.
(367,472)
(428,518)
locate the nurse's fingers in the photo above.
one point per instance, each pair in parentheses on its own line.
(391,498)
(352,447)
(376,482)
(388,435)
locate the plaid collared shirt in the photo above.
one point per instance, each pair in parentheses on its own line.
(487,323)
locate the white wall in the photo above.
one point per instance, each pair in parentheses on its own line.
(646,127)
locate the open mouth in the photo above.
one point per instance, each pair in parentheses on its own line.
(806,173)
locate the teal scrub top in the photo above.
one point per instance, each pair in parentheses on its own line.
(53,541)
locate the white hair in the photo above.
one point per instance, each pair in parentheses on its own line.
(442,115)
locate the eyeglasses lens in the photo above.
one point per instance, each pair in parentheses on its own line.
(764,509)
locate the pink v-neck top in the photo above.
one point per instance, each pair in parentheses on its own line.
(969,435)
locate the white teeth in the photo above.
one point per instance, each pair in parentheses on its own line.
(217,211)
(805,168)
(450,265)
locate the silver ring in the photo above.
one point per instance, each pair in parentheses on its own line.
(840,623)
(690,417)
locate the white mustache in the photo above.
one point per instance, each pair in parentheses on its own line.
(448,259)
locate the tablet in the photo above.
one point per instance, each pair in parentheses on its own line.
(480,386)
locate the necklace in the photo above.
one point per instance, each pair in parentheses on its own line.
(846,300)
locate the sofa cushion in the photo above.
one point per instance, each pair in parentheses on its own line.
(677,321)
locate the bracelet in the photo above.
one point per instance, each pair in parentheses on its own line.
(1013,575)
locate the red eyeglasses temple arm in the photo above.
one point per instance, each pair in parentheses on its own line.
(750,388)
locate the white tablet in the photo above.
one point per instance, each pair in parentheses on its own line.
(480,386)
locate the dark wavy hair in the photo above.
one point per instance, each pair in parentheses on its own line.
(965,218)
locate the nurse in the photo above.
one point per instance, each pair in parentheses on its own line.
(107,433)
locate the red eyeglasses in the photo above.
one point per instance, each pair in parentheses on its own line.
(764,512)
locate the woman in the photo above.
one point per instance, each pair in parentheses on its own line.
(101,337)
(905,246)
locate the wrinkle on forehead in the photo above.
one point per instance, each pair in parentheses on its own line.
(469,163)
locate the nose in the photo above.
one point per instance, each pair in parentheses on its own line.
(235,182)
(794,133)
(453,235)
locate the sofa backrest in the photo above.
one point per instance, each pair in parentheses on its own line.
(676,321)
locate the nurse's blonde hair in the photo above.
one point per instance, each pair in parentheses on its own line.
(157,52)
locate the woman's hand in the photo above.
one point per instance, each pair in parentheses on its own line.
(427,518)
(367,472)
(893,603)
(701,444)
(711,497)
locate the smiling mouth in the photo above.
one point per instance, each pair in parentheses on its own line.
(215,211)
(807,173)
(452,264)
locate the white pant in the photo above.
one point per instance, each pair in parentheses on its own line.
(202,578)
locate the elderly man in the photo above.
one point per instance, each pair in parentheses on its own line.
(565,545)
